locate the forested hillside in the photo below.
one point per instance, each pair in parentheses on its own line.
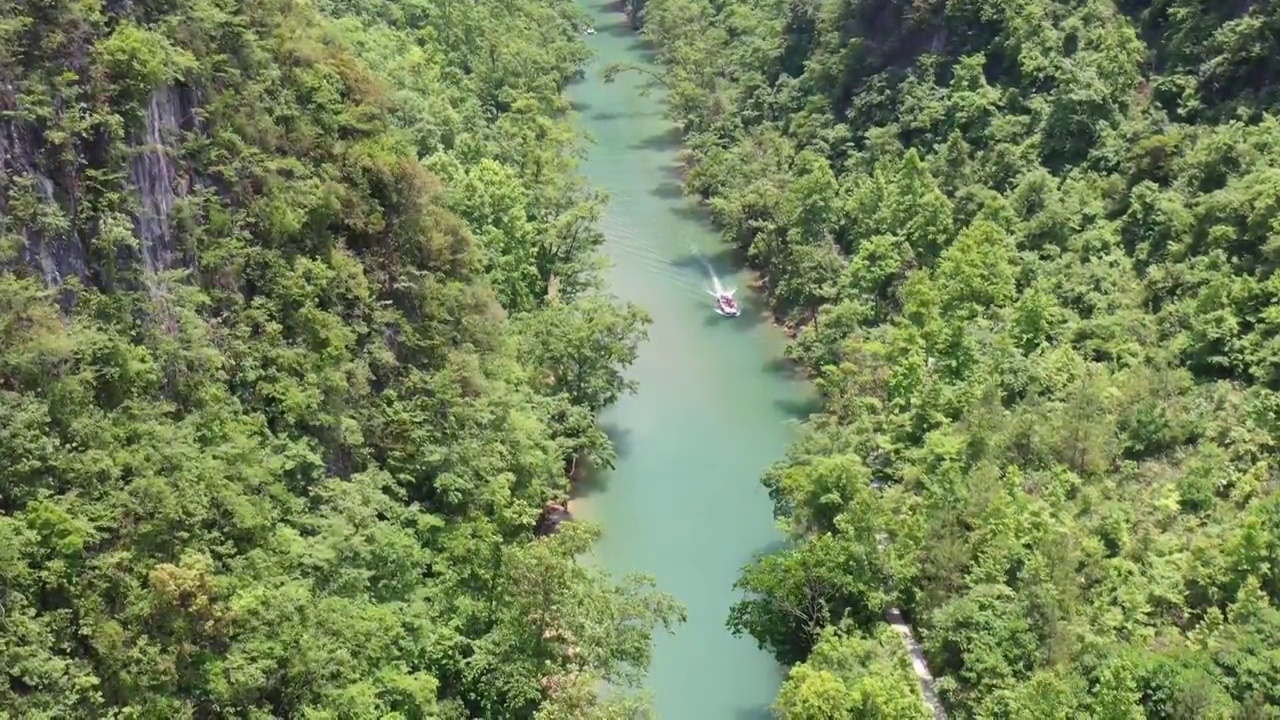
(300,329)
(1029,248)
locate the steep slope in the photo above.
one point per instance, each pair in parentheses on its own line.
(286,302)
(1028,249)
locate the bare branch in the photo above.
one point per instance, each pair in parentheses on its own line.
(612,72)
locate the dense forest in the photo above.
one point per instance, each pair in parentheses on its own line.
(301,330)
(1028,249)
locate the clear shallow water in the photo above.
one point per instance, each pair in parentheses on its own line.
(716,405)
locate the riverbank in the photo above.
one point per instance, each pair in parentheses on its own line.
(757,280)
(713,411)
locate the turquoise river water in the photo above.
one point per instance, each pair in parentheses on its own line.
(715,407)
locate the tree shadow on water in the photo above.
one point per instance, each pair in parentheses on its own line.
(592,482)
(646,51)
(621,439)
(669,139)
(693,208)
(595,479)
(668,191)
(799,408)
(724,260)
(675,170)
(607,116)
(692,212)
(784,367)
(620,29)
(773,547)
(755,713)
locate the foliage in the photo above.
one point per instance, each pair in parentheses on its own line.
(1028,251)
(300,326)
(848,676)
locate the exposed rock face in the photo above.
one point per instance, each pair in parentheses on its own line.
(155,180)
(61,247)
(53,256)
(552,515)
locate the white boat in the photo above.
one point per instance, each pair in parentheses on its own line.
(726,305)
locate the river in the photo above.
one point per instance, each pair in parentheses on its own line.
(716,404)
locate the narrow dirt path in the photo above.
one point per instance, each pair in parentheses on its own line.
(917,662)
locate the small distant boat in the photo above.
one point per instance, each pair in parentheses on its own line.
(591,31)
(726,305)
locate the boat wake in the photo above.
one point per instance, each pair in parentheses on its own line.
(711,273)
(725,303)
(718,287)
